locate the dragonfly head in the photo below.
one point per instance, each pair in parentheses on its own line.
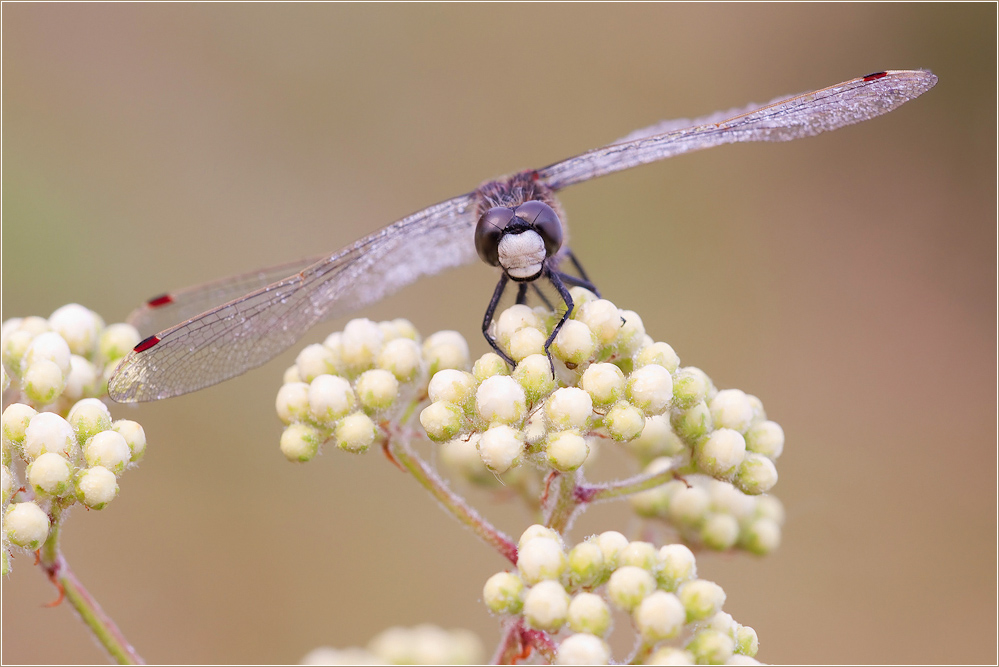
(519,239)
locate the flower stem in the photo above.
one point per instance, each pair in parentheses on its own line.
(449,500)
(70,588)
(592,493)
(564,503)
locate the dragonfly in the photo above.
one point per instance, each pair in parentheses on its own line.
(230,326)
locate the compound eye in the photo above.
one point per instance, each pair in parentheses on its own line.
(545,222)
(488,232)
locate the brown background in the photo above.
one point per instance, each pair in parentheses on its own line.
(847,280)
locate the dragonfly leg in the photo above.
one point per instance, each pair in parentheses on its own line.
(556,279)
(521,294)
(541,295)
(488,319)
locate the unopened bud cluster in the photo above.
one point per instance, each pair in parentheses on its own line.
(612,381)
(571,593)
(57,361)
(419,645)
(60,433)
(712,513)
(341,389)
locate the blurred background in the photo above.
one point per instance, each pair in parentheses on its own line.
(848,280)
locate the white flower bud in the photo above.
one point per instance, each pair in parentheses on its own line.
(461,455)
(569,408)
(356,433)
(762,536)
(134,435)
(693,423)
(525,342)
(399,328)
(82,378)
(402,358)
(657,440)
(376,389)
(26,525)
(541,559)
(446,349)
(670,655)
(500,400)
(611,543)
(747,642)
(360,344)
(441,420)
(603,382)
(756,474)
(731,408)
(13,348)
(631,334)
(654,501)
(720,531)
(537,531)
(501,447)
(586,563)
(730,500)
(513,319)
(661,354)
(766,438)
(638,554)
(676,565)
(52,347)
(300,442)
(660,616)
(96,487)
(117,340)
(690,387)
(292,402)
(574,344)
(488,365)
(48,432)
(688,505)
(504,593)
(51,474)
(650,388)
(453,386)
(315,360)
(79,327)
(43,381)
(583,649)
(107,449)
(589,613)
(328,399)
(6,484)
(566,450)
(701,598)
(88,418)
(624,421)
(710,647)
(534,374)
(629,585)
(14,421)
(546,606)
(770,507)
(603,318)
(291,375)
(721,452)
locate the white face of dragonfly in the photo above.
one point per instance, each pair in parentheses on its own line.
(522,255)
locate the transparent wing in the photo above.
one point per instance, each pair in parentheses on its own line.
(166,310)
(249,331)
(782,120)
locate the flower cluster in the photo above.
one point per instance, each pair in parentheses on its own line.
(677,616)
(713,513)
(71,449)
(340,389)
(611,381)
(420,645)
